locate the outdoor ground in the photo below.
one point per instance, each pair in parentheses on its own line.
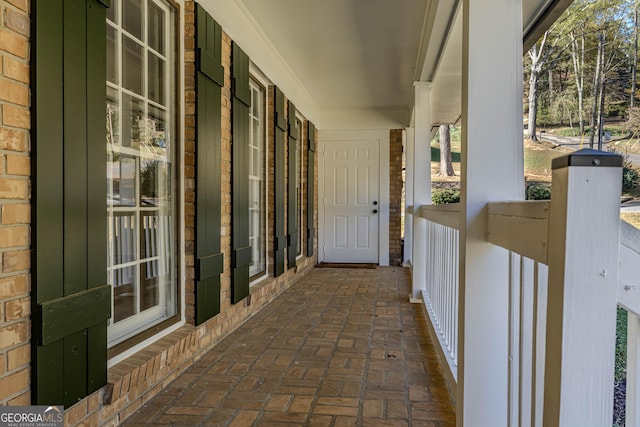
(537,162)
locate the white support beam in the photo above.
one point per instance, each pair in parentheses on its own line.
(492,170)
(584,239)
(421,183)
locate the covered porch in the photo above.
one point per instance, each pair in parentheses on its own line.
(341,347)
(485,268)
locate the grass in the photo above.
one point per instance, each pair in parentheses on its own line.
(537,160)
(627,146)
(632,218)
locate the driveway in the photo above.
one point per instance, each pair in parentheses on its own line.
(576,143)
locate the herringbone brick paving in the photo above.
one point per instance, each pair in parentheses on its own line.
(341,347)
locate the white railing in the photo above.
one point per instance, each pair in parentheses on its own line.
(441,290)
(522,227)
(628,295)
(571,261)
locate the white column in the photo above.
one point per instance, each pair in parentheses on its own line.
(492,169)
(408,184)
(584,238)
(421,183)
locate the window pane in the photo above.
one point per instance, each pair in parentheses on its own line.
(255,94)
(124,293)
(123,237)
(156,78)
(150,281)
(112,59)
(121,180)
(113,118)
(132,17)
(156,27)
(158,128)
(132,76)
(112,12)
(154,183)
(133,126)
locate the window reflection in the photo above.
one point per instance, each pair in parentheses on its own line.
(140,172)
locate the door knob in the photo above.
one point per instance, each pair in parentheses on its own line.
(375,211)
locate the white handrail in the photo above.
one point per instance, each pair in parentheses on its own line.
(448,215)
(520,227)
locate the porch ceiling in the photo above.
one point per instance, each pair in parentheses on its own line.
(357,59)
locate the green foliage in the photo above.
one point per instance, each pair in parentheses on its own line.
(539,192)
(621,344)
(444,196)
(454,131)
(630,175)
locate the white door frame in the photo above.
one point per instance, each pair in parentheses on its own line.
(382,136)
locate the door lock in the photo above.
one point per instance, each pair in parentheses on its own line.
(375,203)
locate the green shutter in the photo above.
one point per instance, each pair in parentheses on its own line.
(311,160)
(209,79)
(71,302)
(280,238)
(241,102)
(292,217)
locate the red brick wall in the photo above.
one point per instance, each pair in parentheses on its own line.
(395,197)
(15,207)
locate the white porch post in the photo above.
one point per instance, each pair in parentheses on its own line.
(584,238)
(421,183)
(491,170)
(408,219)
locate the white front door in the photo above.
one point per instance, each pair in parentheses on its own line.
(351,201)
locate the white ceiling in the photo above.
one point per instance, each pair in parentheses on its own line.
(357,59)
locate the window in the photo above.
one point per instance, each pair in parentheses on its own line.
(141,142)
(299,162)
(257,200)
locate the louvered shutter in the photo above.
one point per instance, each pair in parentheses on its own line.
(71,301)
(280,126)
(292,171)
(241,102)
(209,79)
(311,160)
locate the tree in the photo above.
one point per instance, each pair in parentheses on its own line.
(446,166)
(634,65)
(586,47)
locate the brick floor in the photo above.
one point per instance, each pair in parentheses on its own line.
(341,347)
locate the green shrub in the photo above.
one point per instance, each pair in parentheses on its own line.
(445,195)
(630,175)
(538,192)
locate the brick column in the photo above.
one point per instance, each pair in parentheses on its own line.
(395,197)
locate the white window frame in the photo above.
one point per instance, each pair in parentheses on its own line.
(168,293)
(256,85)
